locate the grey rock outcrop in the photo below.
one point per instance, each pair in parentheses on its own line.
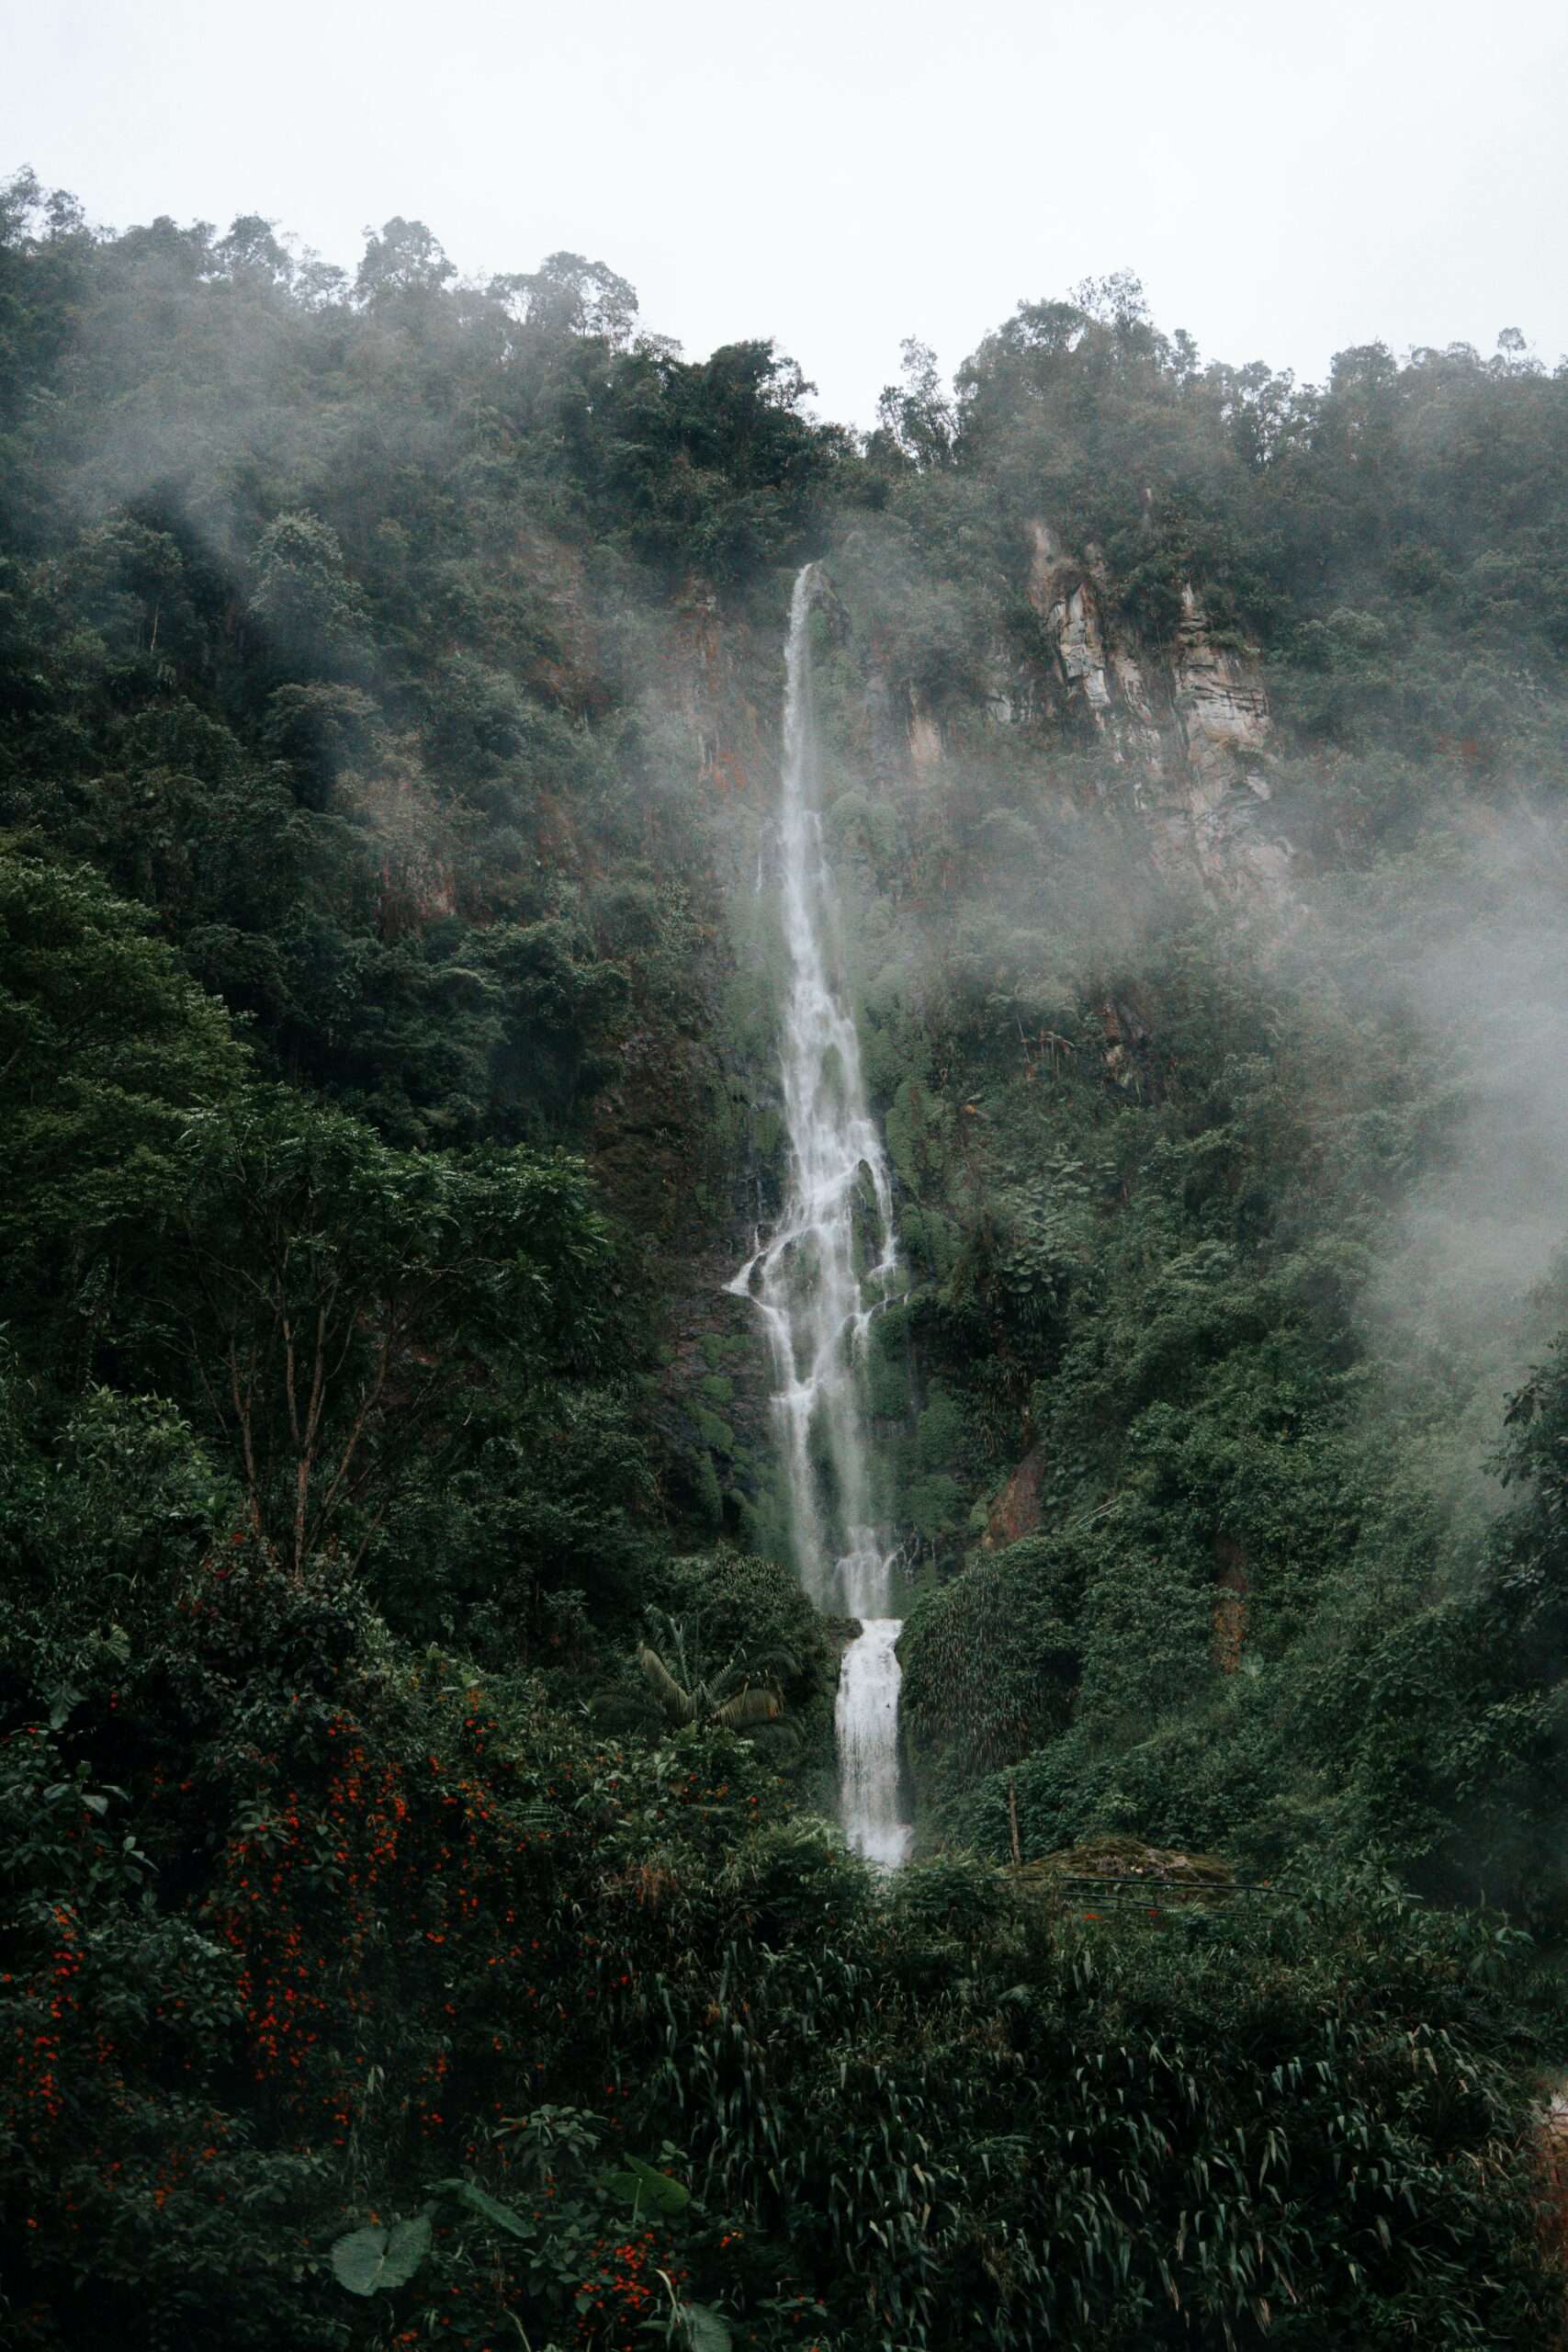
(1188,721)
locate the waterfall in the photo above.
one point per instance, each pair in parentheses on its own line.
(866,1721)
(816,1283)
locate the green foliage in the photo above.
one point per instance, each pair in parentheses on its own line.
(710,465)
(604,1949)
(732,1599)
(304,603)
(372,2258)
(690,1691)
(769,2055)
(992,1662)
(338,1289)
(645,2188)
(310,642)
(379,743)
(1167,1215)
(107,1051)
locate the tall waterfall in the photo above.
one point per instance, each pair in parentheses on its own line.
(819,1281)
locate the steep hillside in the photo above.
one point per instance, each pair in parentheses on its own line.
(419,1919)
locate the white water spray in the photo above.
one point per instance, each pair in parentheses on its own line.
(867,1720)
(818,1281)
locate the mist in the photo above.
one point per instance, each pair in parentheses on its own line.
(906,194)
(1470,1290)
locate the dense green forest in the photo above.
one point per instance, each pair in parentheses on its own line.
(389,671)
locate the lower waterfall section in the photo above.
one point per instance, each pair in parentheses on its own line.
(831,1263)
(867,1722)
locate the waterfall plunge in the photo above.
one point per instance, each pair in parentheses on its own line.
(819,1281)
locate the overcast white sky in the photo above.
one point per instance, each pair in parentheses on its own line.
(839,174)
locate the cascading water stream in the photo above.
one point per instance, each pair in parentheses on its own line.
(819,1281)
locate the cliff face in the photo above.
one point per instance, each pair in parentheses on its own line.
(1184,716)
(1183,734)
(713,675)
(1189,720)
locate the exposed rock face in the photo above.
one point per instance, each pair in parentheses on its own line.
(1016,1511)
(1127,1044)
(1223,713)
(707,669)
(1233,1604)
(569,665)
(1188,721)
(925,737)
(1099,668)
